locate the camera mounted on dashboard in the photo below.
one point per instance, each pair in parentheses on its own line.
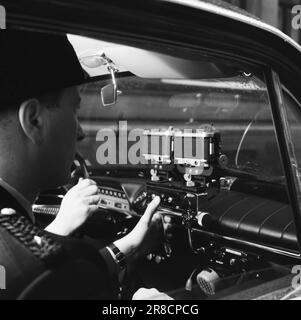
(195,152)
(195,156)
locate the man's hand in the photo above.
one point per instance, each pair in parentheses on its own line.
(148,230)
(78,204)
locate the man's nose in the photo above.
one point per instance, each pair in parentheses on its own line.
(80,133)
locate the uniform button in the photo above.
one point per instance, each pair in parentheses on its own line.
(38,240)
(8,211)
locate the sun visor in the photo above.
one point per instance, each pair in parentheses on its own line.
(145,63)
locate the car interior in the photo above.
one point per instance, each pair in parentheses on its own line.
(196,129)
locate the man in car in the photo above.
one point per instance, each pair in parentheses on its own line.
(38,131)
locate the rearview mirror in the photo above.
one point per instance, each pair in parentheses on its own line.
(109,92)
(109,95)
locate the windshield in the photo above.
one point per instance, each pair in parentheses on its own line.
(237,107)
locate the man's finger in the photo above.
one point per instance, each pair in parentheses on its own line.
(85,183)
(150,210)
(92,209)
(93,200)
(89,190)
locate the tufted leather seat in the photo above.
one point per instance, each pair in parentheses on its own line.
(254,218)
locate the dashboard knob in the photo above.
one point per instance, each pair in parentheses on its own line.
(223,161)
(233,262)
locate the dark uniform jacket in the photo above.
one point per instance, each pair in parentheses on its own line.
(40,265)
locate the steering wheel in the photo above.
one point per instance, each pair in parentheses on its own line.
(80,170)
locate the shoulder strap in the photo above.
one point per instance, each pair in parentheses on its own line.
(40,244)
(26,251)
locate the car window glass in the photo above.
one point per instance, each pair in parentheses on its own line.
(237,107)
(293,111)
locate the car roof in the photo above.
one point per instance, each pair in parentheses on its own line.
(211,25)
(227,10)
(216,7)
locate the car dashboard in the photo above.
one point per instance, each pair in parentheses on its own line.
(227,228)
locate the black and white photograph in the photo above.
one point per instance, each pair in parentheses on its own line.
(150,150)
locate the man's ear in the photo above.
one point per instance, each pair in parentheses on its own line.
(31,120)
